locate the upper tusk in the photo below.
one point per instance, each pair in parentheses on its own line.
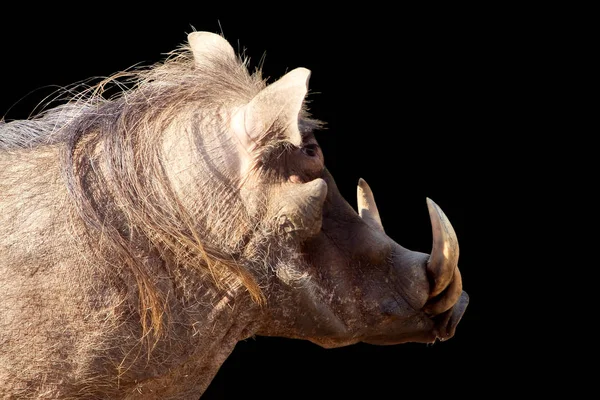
(367,209)
(444,253)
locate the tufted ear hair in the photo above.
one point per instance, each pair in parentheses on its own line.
(205,44)
(274,111)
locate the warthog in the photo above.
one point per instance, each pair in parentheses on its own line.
(145,234)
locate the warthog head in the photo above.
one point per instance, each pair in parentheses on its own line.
(340,279)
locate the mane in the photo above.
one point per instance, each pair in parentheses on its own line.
(178,78)
(120,135)
(45,129)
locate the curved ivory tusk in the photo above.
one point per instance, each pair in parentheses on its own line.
(450,297)
(367,209)
(444,253)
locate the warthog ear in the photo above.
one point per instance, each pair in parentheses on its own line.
(273,112)
(205,44)
(298,208)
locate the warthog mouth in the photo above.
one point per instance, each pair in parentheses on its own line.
(445,323)
(439,327)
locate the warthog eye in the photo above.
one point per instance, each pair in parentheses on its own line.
(310,149)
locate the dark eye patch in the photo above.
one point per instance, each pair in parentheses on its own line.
(310,149)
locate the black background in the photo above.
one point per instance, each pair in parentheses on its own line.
(420,103)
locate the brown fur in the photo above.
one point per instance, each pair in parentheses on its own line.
(134,255)
(87,178)
(129,129)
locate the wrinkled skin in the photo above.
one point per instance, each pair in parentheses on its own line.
(70,315)
(363,286)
